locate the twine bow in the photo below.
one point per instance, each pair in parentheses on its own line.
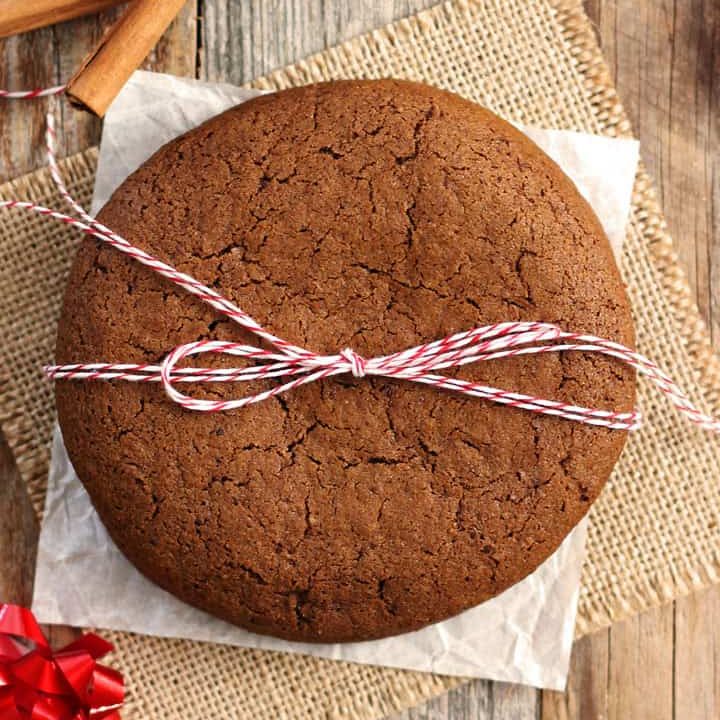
(39,684)
(416,364)
(299,366)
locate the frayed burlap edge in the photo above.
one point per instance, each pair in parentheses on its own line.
(24,407)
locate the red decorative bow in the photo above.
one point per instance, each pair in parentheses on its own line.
(39,684)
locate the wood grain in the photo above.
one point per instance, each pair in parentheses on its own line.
(697,655)
(665,58)
(24,64)
(50,56)
(175,53)
(640,679)
(19,16)
(480,700)
(587,690)
(18,532)
(243,40)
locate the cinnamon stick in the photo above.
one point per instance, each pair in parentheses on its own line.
(120,52)
(19,16)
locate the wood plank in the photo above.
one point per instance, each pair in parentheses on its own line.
(18,533)
(474,700)
(50,56)
(665,58)
(72,42)
(176,52)
(244,40)
(514,702)
(586,695)
(640,681)
(479,700)
(39,59)
(661,60)
(24,64)
(697,655)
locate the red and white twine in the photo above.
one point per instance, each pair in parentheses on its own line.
(296,366)
(32,94)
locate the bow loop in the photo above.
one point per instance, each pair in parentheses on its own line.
(105,687)
(90,643)
(42,673)
(19,622)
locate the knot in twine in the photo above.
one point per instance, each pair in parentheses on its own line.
(299,366)
(358,364)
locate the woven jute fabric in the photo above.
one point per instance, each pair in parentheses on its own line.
(655,532)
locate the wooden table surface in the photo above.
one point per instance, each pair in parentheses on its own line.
(665,58)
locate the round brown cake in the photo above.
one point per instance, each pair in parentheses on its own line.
(374,215)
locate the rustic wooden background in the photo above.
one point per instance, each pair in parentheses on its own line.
(665,58)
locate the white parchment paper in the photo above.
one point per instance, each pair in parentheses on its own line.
(523,635)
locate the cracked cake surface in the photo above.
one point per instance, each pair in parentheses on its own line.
(375,215)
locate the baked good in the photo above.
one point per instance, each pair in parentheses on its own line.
(374,215)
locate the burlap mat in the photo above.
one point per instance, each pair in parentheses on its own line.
(654,533)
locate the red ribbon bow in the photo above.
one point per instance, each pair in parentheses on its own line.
(37,683)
